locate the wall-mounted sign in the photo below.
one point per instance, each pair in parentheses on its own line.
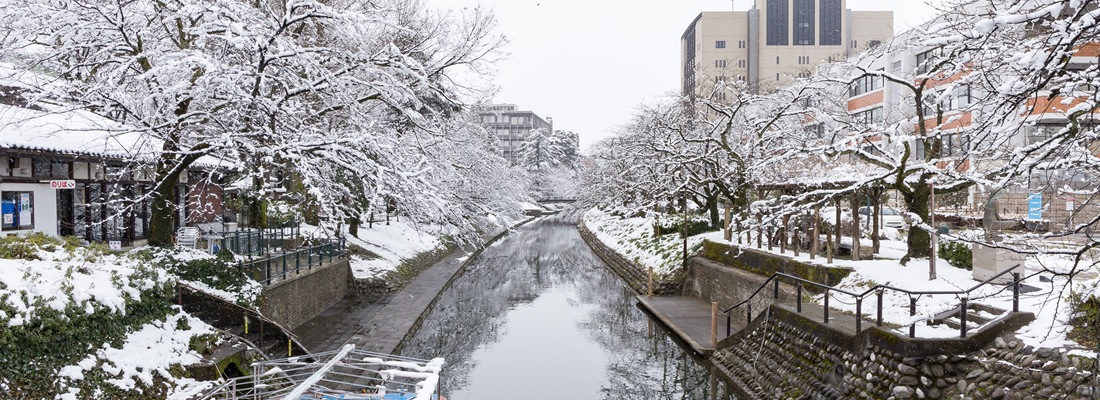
(1069,204)
(1035,206)
(25,210)
(64,184)
(114,245)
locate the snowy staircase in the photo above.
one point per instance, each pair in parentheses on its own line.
(977,316)
(265,335)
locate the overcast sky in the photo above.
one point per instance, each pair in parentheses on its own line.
(590,63)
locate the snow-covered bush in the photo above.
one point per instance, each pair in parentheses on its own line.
(77,322)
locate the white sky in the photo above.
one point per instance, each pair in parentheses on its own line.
(590,63)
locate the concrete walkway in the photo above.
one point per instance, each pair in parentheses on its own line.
(382,326)
(689,318)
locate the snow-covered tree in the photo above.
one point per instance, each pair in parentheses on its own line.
(344,95)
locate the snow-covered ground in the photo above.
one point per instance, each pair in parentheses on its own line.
(393,243)
(1047,302)
(633,238)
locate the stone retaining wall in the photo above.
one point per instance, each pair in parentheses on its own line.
(296,300)
(767,264)
(784,355)
(635,276)
(716,282)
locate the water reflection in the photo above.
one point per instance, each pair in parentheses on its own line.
(539,316)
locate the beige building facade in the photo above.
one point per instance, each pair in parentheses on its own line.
(774,42)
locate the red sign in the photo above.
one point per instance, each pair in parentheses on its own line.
(70,184)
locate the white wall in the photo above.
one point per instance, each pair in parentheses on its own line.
(45,207)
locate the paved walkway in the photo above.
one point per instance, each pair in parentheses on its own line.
(382,326)
(690,319)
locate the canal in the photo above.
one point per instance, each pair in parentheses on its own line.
(538,316)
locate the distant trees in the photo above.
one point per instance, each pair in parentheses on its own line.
(357,100)
(551,160)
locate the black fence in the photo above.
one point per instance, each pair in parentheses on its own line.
(254,242)
(962,295)
(279,265)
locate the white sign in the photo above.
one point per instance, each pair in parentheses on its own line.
(114,245)
(69,184)
(24,210)
(9,218)
(1069,204)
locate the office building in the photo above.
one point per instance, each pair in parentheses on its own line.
(774,42)
(512,126)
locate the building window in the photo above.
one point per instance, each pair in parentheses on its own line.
(855,44)
(17,209)
(865,84)
(740,44)
(721,44)
(872,116)
(831,12)
(777,22)
(804,11)
(777,77)
(959,98)
(776,60)
(741,63)
(926,59)
(719,63)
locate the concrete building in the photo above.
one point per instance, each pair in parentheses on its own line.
(511,125)
(775,42)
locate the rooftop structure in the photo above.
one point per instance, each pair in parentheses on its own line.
(511,125)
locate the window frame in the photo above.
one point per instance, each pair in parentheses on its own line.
(16,195)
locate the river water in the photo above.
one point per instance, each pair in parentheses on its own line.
(538,316)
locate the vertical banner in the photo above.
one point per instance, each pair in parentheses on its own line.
(25,210)
(1034,206)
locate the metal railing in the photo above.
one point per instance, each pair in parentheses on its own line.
(878,290)
(254,242)
(279,265)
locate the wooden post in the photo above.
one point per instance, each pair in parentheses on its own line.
(816,223)
(876,226)
(759,232)
(714,325)
(935,233)
(727,234)
(855,226)
(650,282)
(796,239)
(837,234)
(783,234)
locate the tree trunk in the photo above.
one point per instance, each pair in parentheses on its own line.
(164,203)
(919,241)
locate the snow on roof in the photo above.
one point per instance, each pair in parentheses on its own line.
(79,132)
(69,132)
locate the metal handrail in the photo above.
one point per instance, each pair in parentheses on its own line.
(878,290)
(332,248)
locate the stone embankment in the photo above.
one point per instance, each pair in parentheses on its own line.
(785,355)
(635,276)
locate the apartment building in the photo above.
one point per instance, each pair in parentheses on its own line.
(511,125)
(774,42)
(951,113)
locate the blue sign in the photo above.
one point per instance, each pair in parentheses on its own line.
(1034,206)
